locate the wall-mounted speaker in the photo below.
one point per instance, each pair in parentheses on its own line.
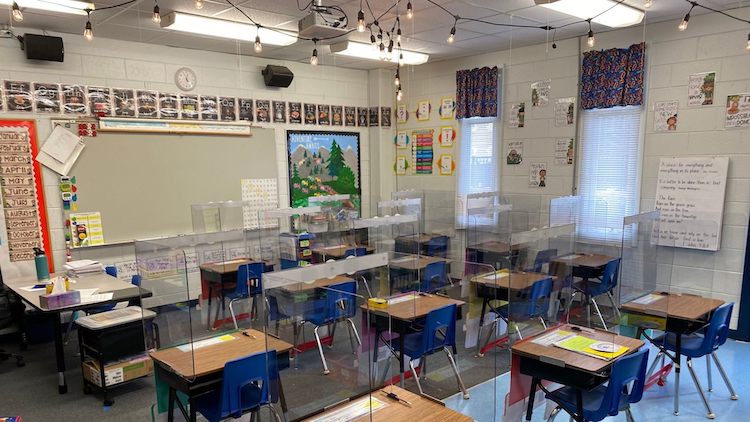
(277,76)
(42,47)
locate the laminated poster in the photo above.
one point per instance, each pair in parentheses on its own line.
(73,99)
(86,229)
(565,111)
(148,104)
(665,116)
(228,108)
(402,139)
(189,107)
(245,109)
(515,153)
(100,100)
(447,107)
(263,111)
(363,114)
(311,116)
(447,136)
(422,142)
(374,116)
(538,175)
(324,114)
(124,102)
(46,97)
(516,116)
(18,96)
(385,116)
(564,151)
(423,110)
(446,165)
(540,93)
(279,112)
(738,111)
(169,107)
(402,114)
(209,107)
(401,165)
(337,116)
(701,89)
(295,113)
(350,116)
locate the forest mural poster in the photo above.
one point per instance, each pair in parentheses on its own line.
(323,163)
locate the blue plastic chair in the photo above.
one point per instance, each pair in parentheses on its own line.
(435,277)
(338,304)
(439,333)
(699,345)
(249,284)
(249,383)
(543,257)
(606,284)
(438,246)
(360,251)
(610,399)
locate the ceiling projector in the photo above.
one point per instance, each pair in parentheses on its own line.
(321,23)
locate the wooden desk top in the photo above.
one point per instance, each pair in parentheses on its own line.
(517,280)
(227,266)
(340,250)
(211,358)
(418,238)
(527,347)
(683,306)
(422,409)
(419,307)
(584,260)
(494,246)
(105,283)
(317,284)
(414,262)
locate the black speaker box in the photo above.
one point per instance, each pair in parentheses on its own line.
(277,76)
(42,47)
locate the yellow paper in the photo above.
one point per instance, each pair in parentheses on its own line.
(581,344)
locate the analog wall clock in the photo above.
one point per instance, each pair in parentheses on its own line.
(185,79)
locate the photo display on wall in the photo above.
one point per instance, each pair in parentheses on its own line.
(228,109)
(18,96)
(279,112)
(46,98)
(295,113)
(124,102)
(246,108)
(190,107)
(168,106)
(147,104)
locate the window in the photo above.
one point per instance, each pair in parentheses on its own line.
(478,160)
(609,176)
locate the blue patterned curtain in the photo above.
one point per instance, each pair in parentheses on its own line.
(613,77)
(477,92)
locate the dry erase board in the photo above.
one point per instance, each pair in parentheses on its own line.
(690,195)
(144,183)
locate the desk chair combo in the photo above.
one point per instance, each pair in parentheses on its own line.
(591,289)
(249,383)
(624,387)
(338,304)
(695,346)
(250,285)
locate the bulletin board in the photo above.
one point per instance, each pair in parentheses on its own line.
(143,184)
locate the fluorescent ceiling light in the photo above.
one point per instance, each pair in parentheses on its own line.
(60,6)
(367,51)
(615,16)
(221,28)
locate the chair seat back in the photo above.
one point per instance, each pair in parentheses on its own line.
(434,276)
(439,329)
(438,246)
(249,279)
(626,370)
(543,257)
(718,329)
(259,371)
(340,301)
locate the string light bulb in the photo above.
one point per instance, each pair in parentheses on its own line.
(314,57)
(452,36)
(399,94)
(372,39)
(409,10)
(684,24)
(199,4)
(361,21)
(398,35)
(16,12)
(397,79)
(88,32)
(156,16)
(648,3)
(591,40)
(258,46)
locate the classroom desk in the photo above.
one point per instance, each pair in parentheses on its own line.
(565,367)
(217,274)
(585,266)
(399,318)
(681,314)
(498,286)
(200,371)
(337,252)
(492,252)
(417,243)
(415,262)
(122,291)
(422,409)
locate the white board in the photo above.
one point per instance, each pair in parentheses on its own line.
(690,195)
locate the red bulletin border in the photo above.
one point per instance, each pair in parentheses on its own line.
(30,125)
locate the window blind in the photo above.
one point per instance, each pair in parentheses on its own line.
(608,178)
(478,160)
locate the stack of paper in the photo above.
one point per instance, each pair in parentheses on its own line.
(83,266)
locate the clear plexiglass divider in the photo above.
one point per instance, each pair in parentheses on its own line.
(397,227)
(223,216)
(529,211)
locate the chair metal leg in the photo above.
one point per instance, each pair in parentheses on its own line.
(544,324)
(493,327)
(554,413)
(320,349)
(218,308)
(518,331)
(570,303)
(252,415)
(275,412)
(614,305)
(629,415)
(423,367)
(709,413)
(708,373)
(598,312)
(725,377)
(231,312)
(332,333)
(455,371)
(676,410)
(349,329)
(296,328)
(386,371)
(588,311)
(416,377)
(653,364)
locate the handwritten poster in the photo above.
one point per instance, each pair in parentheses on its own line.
(538,175)
(514,155)
(422,142)
(690,195)
(701,89)
(540,93)
(738,111)
(565,111)
(516,116)
(665,116)
(564,151)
